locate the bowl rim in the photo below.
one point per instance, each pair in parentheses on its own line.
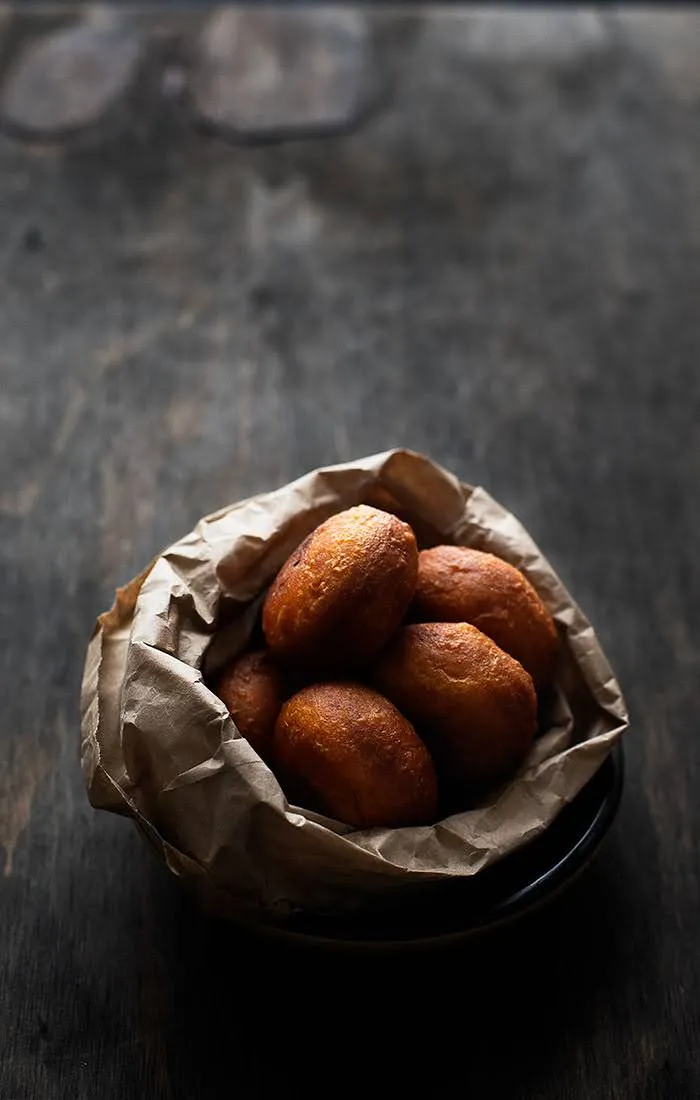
(603,791)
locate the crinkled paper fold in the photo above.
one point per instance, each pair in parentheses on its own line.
(160,747)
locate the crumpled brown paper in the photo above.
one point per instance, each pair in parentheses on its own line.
(160,747)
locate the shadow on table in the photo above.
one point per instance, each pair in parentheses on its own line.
(497,1010)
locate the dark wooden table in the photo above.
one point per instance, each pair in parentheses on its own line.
(502,269)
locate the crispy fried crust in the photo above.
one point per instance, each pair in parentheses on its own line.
(343,592)
(253,689)
(457,584)
(343,749)
(474,705)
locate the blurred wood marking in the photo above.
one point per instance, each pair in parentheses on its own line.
(18,784)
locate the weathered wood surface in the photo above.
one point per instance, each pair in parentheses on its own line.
(503,270)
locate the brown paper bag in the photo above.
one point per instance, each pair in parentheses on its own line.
(160,747)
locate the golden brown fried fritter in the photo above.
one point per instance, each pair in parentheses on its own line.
(340,596)
(345,750)
(473,704)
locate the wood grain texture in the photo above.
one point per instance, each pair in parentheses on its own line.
(501,270)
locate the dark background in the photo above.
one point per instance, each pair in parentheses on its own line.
(501,269)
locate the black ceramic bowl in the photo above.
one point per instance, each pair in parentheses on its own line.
(467,907)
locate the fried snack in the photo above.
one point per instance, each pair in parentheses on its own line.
(344,750)
(457,584)
(343,592)
(474,705)
(253,688)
